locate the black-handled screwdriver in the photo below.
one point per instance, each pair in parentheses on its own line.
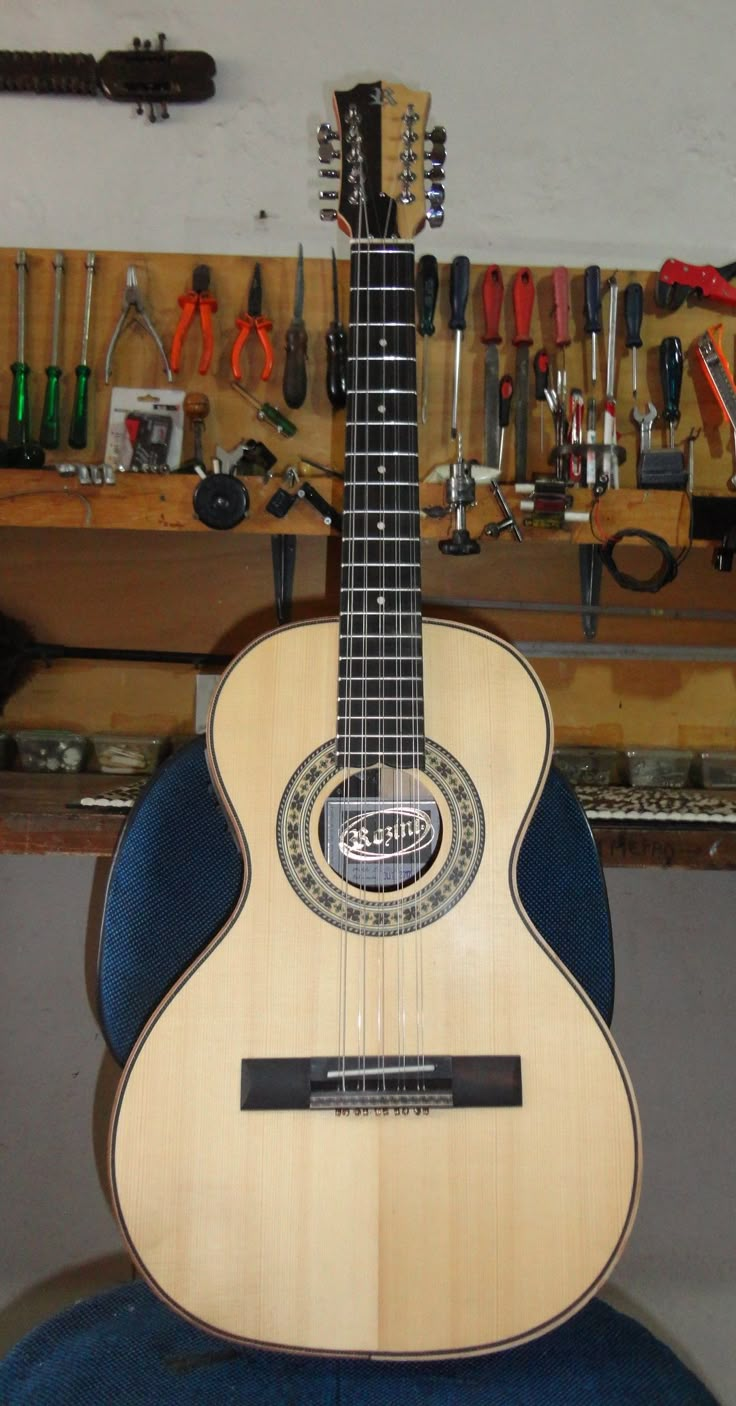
(670,370)
(337,350)
(295,370)
(505,394)
(633,313)
(427,289)
(592,309)
(459,289)
(541,384)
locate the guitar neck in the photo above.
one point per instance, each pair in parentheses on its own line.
(380,695)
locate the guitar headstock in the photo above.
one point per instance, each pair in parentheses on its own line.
(381,154)
(156,76)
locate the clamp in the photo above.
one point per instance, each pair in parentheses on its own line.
(133,304)
(253,319)
(198,300)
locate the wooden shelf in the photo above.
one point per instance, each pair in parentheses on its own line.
(143,503)
(35,819)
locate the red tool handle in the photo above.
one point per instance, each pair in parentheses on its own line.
(187,302)
(492,289)
(701,278)
(561,287)
(523,294)
(245,324)
(207,305)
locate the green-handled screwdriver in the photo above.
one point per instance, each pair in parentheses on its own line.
(427,288)
(50,432)
(78,426)
(19,419)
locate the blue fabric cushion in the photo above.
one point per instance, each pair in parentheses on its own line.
(125,1348)
(177,874)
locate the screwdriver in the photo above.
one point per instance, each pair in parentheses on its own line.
(295,370)
(50,432)
(459,289)
(505,395)
(19,419)
(523,302)
(633,312)
(541,384)
(337,351)
(561,288)
(78,426)
(593,324)
(427,289)
(670,371)
(269,414)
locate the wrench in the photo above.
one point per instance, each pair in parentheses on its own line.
(645,420)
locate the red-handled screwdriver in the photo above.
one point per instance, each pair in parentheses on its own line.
(505,395)
(541,384)
(523,299)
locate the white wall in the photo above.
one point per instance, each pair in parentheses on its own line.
(578,132)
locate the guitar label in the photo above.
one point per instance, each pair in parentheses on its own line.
(391,831)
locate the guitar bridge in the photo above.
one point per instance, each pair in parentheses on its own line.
(436,1081)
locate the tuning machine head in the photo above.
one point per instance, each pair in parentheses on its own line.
(435,174)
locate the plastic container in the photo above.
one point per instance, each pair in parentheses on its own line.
(659,766)
(591,766)
(125,754)
(718,768)
(47,750)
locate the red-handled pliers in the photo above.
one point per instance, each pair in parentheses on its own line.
(199,300)
(262,325)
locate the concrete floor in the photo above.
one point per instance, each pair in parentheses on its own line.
(674,934)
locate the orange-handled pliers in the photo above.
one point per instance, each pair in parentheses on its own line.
(199,300)
(246,324)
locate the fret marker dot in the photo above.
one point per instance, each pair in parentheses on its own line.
(381,469)
(380,526)
(381,600)
(382,410)
(382,342)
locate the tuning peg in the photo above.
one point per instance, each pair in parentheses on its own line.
(435,216)
(435,172)
(328,214)
(435,154)
(436,193)
(328,195)
(330,175)
(326,153)
(438,136)
(326,133)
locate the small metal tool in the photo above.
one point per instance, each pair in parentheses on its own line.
(134,311)
(50,431)
(459,496)
(270,414)
(78,426)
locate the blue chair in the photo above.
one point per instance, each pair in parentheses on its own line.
(174,881)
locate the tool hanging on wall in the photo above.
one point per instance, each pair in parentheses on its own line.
(220,500)
(609,413)
(269,414)
(541,384)
(719,373)
(295,369)
(503,413)
(664,468)
(678,281)
(459,289)
(492,294)
(428,282)
(19,416)
(198,300)
(459,496)
(336,339)
(633,313)
(523,301)
(50,432)
(592,310)
(196,409)
(80,408)
(561,291)
(134,313)
(253,321)
(139,75)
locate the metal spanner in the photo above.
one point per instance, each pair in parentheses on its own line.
(133,303)
(645,419)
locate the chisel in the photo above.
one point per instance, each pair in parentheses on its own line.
(523,300)
(19,420)
(78,426)
(492,290)
(50,432)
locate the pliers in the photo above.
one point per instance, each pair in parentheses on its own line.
(678,281)
(198,300)
(262,325)
(133,303)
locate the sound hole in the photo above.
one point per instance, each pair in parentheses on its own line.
(380,829)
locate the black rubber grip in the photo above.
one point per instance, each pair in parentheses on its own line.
(459,289)
(428,286)
(633,313)
(592,285)
(295,370)
(337,365)
(670,371)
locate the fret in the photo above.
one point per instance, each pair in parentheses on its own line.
(382,390)
(372,325)
(381,358)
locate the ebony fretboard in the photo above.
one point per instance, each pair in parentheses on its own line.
(380,696)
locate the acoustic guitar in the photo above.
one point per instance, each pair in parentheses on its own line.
(377,1116)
